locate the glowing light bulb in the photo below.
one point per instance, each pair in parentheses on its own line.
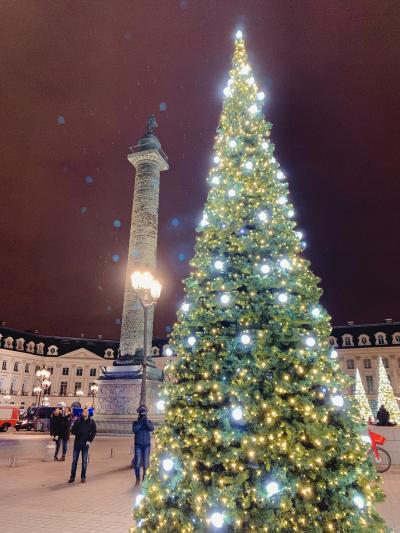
(299,235)
(245,70)
(282,200)
(168,352)
(215,180)
(290,213)
(316,312)
(337,400)
(217,520)
(310,342)
(260,96)
(191,340)
(227,91)
(284,263)
(239,34)
(253,109)
(216,159)
(232,143)
(334,354)
(245,339)
(265,269)
(272,488)
(237,413)
(139,499)
(249,165)
(359,502)
(280,175)
(283,297)
(168,464)
(204,221)
(185,307)
(265,145)
(250,80)
(263,216)
(225,298)
(160,405)
(231,193)
(219,265)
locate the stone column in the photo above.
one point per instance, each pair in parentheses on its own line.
(142,242)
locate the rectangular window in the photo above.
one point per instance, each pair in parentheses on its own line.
(50,369)
(385,362)
(347,341)
(350,364)
(79,371)
(367,363)
(15,367)
(63,388)
(27,368)
(65,371)
(353,388)
(93,371)
(4,365)
(37,367)
(370,384)
(78,386)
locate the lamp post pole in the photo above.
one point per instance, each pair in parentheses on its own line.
(148,291)
(94,388)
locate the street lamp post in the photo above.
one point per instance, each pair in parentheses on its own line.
(148,291)
(43,377)
(37,390)
(79,394)
(94,388)
(7,398)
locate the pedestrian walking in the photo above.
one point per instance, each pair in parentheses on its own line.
(84,430)
(57,431)
(142,428)
(66,431)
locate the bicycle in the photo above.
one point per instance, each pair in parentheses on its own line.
(379,457)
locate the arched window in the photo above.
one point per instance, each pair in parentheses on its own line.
(52,350)
(363,340)
(347,340)
(396,338)
(20,344)
(109,353)
(380,338)
(30,347)
(9,343)
(333,342)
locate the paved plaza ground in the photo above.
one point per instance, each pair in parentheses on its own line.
(35,496)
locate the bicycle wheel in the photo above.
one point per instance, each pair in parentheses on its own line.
(383,463)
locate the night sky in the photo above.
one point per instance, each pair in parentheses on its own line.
(78,80)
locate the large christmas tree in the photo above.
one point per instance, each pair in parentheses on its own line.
(256,436)
(360,400)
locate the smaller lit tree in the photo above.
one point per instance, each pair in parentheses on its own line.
(360,400)
(386,395)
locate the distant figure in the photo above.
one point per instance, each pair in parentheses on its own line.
(84,430)
(142,428)
(383,417)
(57,431)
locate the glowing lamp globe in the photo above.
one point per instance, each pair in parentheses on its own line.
(217,520)
(282,297)
(265,145)
(282,200)
(215,180)
(216,159)
(160,405)
(185,307)
(231,193)
(334,354)
(232,143)
(249,165)
(168,351)
(253,109)
(280,175)
(272,488)
(227,91)
(168,464)
(260,96)
(237,414)
(284,263)
(316,312)
(263,216)
(219,265)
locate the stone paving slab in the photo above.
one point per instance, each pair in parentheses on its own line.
(35,496)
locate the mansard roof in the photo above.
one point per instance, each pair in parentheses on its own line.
(388,328)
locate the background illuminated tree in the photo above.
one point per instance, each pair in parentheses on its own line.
(257,436)
(386,395)
(360,400)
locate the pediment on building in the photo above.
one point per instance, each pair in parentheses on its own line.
(81,353)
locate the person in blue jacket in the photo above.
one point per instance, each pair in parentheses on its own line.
(142,428)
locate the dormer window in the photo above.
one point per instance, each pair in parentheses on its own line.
(347,340)
(396,338)
(8,343)
(363,340)
(20,344)
(333,342)
(380,338)
(52,350)
(30,347)
(39,348)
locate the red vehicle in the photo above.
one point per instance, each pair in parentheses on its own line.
(9,416)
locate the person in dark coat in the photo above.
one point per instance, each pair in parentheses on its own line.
(58,431)
(383,417)
(142,428)
(84,430)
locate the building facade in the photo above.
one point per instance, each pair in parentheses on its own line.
(74,365)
